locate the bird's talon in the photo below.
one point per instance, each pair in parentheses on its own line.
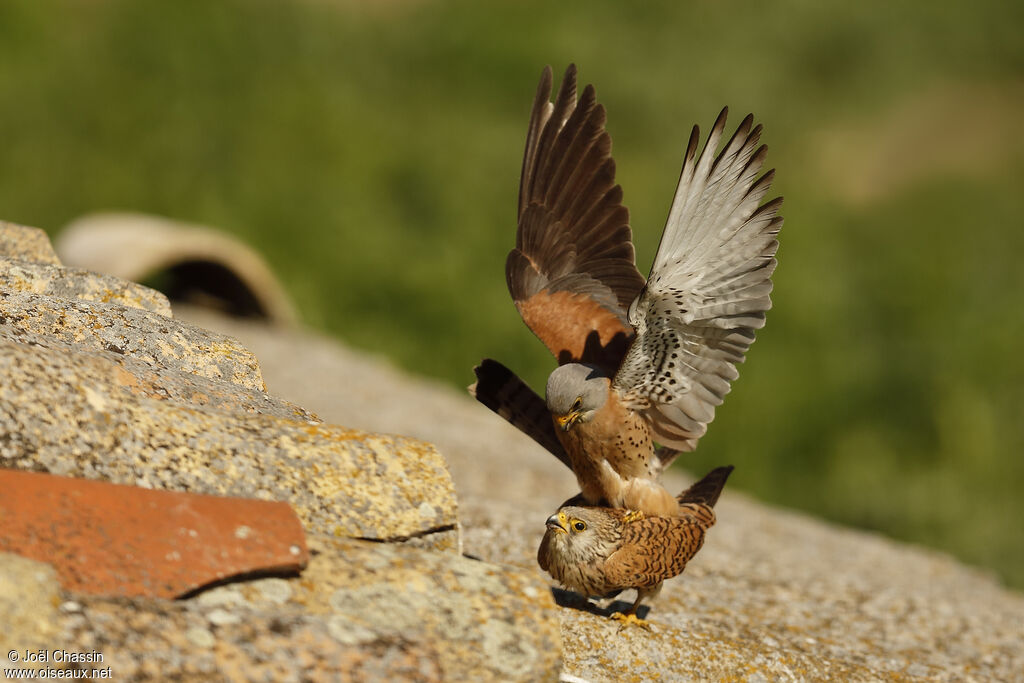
(630,618)
(633,516)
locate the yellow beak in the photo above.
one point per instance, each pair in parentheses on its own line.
(567,420)
(557,522)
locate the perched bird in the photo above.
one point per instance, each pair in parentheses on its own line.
(600,551)
(642,363)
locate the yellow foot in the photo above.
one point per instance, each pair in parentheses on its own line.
(629,618)
(633,516)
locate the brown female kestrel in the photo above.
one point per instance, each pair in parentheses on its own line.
(640,362)
(600,551)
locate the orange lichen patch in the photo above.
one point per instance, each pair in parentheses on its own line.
(109,539)
(575,327)
(126,379)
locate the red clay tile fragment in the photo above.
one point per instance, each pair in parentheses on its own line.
(109,539)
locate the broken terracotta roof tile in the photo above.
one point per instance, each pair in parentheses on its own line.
(110,539)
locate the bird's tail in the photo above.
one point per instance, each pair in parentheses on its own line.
(707,490)
(502,391)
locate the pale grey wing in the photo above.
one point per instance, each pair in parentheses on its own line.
(709,287)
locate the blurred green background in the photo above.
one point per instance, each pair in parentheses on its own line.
(371,151)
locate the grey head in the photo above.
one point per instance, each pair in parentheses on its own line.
(574,392)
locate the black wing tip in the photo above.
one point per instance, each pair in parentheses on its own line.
(544,85)
(489,366)
(568,85)
(547,77)
(691,145)
(720,121)
(490,377)
(478,372)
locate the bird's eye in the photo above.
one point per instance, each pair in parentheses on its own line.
(578,403)
(579,526)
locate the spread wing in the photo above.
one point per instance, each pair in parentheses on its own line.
(708,290)
(572,273)
(502,391)
(654,549)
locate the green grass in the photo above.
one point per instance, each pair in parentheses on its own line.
(370,151)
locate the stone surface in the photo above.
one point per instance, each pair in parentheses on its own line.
(361,611)
(114,540)
(74,283)
(29,595)
(486,621)
(136,377)
(65,414)
(773,595)
(152,338)
(25,244)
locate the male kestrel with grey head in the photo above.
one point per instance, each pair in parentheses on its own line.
(641,362)
(600,551)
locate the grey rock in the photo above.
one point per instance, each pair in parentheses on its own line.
(29,596)
(136,377)
(154,339)
(222,617)
(201,637)
(74,283)
(26,244)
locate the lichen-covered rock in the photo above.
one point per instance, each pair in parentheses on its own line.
(152,338)
(65,413)
(360,612)
(74,283)
(26,244)
(139,378)
(29,595)
(486,621)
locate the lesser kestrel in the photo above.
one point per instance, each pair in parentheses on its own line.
(641,362)
(600,551)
